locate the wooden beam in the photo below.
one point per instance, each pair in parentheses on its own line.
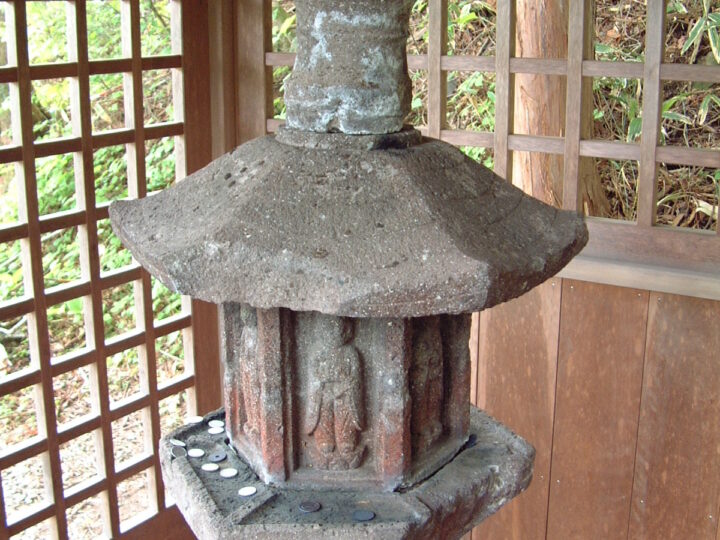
(253,80)
(651,105)
(437,78)
(505,49)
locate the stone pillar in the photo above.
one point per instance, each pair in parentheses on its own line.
(350,73)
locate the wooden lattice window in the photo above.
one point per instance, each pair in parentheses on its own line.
(81,414)
(634,251)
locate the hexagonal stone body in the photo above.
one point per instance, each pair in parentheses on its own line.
(362,403)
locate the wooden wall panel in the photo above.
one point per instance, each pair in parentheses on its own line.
(196,62)
(677,476)
(597,403)
(518,345)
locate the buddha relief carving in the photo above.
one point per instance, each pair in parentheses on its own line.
(249,374)
(335,402)
(426,384)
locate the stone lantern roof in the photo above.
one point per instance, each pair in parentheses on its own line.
(351,225)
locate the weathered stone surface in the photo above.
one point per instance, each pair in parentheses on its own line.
(400,232)
(358,403)
(350,72)
(329,141)
(469,488)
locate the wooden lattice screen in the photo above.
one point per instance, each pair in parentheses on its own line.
(619,252)
(102,499)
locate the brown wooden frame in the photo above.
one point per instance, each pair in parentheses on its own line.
(198,321)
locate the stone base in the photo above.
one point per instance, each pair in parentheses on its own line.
(475,484)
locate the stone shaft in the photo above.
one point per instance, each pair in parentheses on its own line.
(350,73)
(316,400)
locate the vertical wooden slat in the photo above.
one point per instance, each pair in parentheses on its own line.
(437,83)
(197,117)
(600,364)
(82,127)
(253,31)
(677,473)
(137,187)
(652,102)
(474,352)
(33,266)
(518,353)
(3,516)
(222,82)
(577,29)
(504,50)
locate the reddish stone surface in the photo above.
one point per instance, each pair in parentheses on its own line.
(319,400)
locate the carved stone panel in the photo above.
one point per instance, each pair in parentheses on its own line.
(334,401)
(333,384)
(335,406)
(249,375)
(253,386)
(426,384)
(239,343)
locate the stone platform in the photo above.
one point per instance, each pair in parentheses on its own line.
(493,467)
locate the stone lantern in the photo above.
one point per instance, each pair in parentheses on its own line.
(346,254)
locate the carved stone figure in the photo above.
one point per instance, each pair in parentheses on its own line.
(335,408)
(426,384)
(249,373)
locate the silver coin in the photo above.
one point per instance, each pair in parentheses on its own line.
(216,430)
(247,491)
(193,419)
(178,451)
(228,473)
(196,452)
(176,442)
(210,467)
(216,423)
(363,515)
(309,506)
(217,457)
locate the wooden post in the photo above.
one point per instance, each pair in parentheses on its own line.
(253,84)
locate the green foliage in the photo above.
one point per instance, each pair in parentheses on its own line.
(55,175)
(471,25)
(707,25)
(160,164)
(284,26)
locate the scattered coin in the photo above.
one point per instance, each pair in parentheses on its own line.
(216,430)
(196,452)
(247,491)
(178,451)
(309,506)
(217,457)
(193,419)
(228,473)
(210,467)
(176,442)
(216,423)
(363,515)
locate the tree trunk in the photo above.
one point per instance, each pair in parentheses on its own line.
(542,27)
